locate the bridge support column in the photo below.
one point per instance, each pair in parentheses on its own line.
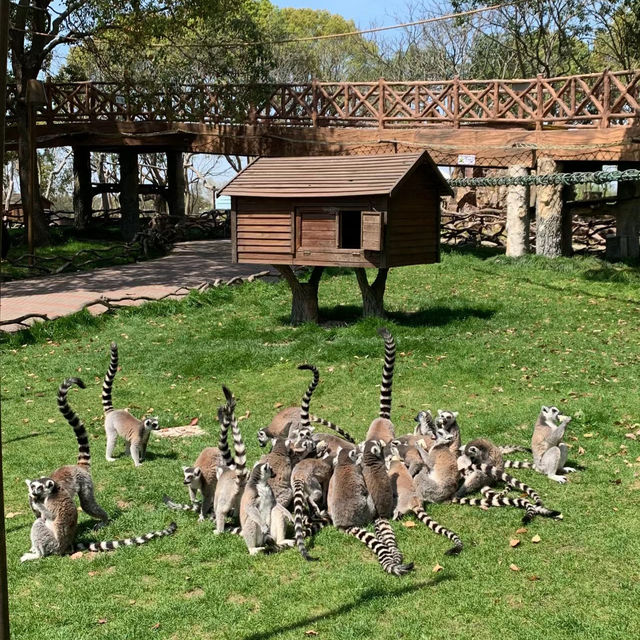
(553,224)
(626,244)
(517,215)
(82,194)
(175,183)
(129,205)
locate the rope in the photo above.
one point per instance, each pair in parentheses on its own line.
(579,177)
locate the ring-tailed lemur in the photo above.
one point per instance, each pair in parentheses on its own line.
(203,475)
(382,428)
(119,422)
(351,508)
(549,452)
(437,481)
(379,487)
(256,508)
(53,533)
(76,479)
(407,500)
(231,478)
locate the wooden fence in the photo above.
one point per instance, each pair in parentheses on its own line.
(601,100)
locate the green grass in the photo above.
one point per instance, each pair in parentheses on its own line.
(489,337)
(65,243)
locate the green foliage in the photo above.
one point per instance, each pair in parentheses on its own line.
(494,338)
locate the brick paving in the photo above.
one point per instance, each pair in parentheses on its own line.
(188,265)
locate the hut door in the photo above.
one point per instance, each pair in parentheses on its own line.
(372,230)
(315,230)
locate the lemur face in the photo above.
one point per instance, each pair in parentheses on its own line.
(550,413)
(446,419)
(267,471)
(151,424)
(192,476)
(263,438)
(39,489)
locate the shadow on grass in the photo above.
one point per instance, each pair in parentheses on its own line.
(367,596)
(430,317)
(482,253)
(25,437)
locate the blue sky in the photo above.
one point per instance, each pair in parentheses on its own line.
(363,12)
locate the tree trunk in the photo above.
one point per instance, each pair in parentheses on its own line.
(304,306)
(129,204)
(551,223)
(517,215)
(29,179)
(625,243)
(82,195)
(372,294)
(102,179)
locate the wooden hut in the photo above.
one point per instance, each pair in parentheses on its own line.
(355,211)
(348,211)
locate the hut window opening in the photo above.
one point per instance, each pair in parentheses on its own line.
(350,230)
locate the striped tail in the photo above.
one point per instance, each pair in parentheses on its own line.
(299,502)
(224,417)
(84,456)
(386,535)
(440,530)
(126,542)
(387,373)
(306,398)
(496,500)
(239,449)
(514,448)
(315,524)
(385,558)
(107,385)
(179,506)
(494,472)
(518,464)
(334,427)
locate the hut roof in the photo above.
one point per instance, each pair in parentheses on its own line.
(330,176)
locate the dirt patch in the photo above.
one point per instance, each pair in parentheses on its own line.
(194,593)
(187,431)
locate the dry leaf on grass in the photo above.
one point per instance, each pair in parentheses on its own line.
(13,514)
(93,573)
(514,542)
(536,539)
(246,415)
(193,422)
(587,435)
(156,626)
(409,524)
(102,621)
(310,632)
(521,530)
(534,578)
(514,567)
(76,555)
(437,568)
(277,405)
(631,436)
(580,451)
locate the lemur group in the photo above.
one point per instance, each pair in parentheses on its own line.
(309,479)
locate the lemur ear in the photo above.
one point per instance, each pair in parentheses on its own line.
(197,472)
(544,409)
(219,472)
(455,414)
(28,483)
(49,484)
(440,412)
(184,468)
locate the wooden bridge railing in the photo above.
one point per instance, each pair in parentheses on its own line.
(599,100)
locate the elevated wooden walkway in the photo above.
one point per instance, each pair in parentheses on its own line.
(593,117)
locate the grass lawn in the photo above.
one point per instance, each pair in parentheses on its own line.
(65,244)
(492,338)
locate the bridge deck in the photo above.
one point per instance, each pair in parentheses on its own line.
(593,117)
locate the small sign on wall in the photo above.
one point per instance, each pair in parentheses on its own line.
(467,159)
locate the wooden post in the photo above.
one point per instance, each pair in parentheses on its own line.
(4,589)
(372,294)
(626,244)
(175,183)
(551,227)
(381,105)
(304,306)
(82,193)
(129,205)
(517,215)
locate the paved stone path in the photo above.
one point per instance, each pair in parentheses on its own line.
(188,265)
